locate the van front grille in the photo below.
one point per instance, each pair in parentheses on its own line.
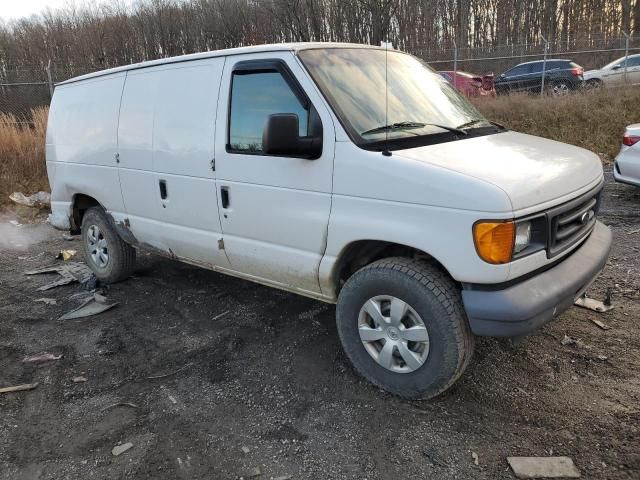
(572,222)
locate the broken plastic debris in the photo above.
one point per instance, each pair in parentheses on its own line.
(15,223)
(593,304)
(567,340)
(69,272)
(91,306)
(66,254)
(120,449)
(79,379)
(543,467)
(42,357)
(37,200)
(48,301)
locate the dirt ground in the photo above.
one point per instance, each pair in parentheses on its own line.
(253,378)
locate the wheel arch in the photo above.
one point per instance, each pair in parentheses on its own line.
(360,253)
(80,203)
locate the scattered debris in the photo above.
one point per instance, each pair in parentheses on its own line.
(19,388)
(543,467)
(120,449)
(476,460)
(42,357)
(245,450)
(37,200)
(120,404)
(66,255)
(567,340)
(600,324)
(254,472)
(15,223)
(172,399)
(68,237)
(48,301)
(168,374)
(33,257)
(219,315)
(93,305)
(593,304)
(602,358)
(70,272)
(79,379)
(91,283)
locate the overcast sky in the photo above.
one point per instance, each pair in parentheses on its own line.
(12,9)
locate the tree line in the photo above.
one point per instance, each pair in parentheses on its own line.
(81,39)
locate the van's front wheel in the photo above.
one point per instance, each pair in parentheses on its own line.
(403,326)
(108,256)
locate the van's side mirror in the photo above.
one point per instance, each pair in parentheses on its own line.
(281,137)
(617,67)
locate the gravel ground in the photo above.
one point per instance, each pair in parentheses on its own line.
(252,381)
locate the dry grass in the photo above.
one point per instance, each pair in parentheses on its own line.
(22,164)
(594,120)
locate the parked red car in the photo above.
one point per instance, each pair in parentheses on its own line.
(471,85)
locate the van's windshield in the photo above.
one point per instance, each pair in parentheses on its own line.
(421,104)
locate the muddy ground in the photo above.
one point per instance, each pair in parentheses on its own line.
(255,379)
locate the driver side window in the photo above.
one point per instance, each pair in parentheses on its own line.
(255,96)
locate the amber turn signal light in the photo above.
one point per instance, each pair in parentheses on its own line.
(494,241)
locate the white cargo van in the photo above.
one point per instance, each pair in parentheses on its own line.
(347,173)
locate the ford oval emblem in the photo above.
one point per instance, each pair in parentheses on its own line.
(586,216)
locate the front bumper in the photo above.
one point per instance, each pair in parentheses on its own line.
(525,306)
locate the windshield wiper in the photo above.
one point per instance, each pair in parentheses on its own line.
(480,120)
(411,125)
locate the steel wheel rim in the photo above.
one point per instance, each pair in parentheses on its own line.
(97,246)
(393,334)
(560,89)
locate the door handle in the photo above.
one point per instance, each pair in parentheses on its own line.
(163,189)
(224,196)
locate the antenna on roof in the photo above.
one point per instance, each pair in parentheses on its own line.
(386,152)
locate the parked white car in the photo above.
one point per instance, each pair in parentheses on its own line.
(626,168)
(285,165)
(615,74)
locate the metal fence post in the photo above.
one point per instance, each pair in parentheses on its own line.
(544,64)
(49,78)
(626,55)
(455,62)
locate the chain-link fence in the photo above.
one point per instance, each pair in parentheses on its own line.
(23,87)
(27,86)
(589,53)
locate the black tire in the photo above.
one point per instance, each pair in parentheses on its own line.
(121,256)
(435,298)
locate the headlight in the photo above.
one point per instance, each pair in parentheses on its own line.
(523,236)
(494,240)
(498,241)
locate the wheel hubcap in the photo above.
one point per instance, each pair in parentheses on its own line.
(97,246)
(561,89)
(393,334)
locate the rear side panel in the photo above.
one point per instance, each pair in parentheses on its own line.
(82,142)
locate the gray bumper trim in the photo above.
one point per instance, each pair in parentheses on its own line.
(526,306)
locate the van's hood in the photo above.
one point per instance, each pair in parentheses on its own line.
(530,170)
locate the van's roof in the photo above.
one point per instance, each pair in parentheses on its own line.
(220,53)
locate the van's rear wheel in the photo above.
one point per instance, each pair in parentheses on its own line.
(403,326)
(108,256)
